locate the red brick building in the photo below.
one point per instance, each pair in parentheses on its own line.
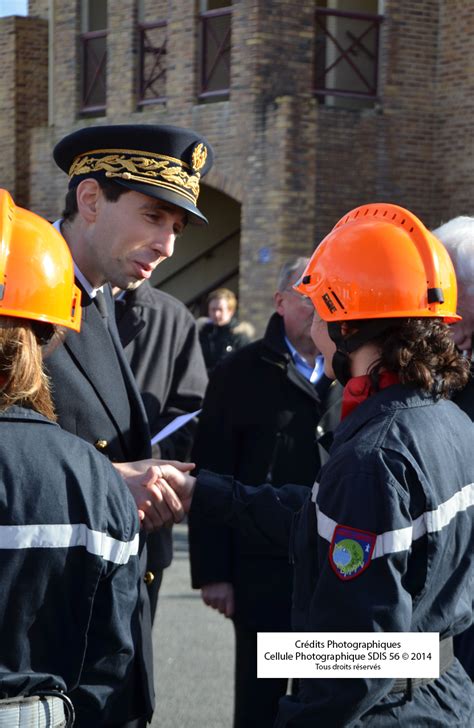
(312,108)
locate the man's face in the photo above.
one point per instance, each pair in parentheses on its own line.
(323,342)
(219,311)
(297,313)
(463,331)
(128,238)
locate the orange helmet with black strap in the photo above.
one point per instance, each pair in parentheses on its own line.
(377,265)
(36,269)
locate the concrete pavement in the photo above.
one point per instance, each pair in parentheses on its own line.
(194,652)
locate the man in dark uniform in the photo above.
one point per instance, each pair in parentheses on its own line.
(132,190)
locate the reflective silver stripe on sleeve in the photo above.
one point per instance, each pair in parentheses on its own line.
(401,539)
(68,535)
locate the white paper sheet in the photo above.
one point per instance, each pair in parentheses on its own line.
(172,426)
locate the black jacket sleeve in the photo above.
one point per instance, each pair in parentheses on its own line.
(215,446)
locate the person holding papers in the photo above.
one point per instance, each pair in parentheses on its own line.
(161,343)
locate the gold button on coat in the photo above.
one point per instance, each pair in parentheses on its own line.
(100,444)
(149,578)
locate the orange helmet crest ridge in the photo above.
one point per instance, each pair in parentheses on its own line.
(380,261)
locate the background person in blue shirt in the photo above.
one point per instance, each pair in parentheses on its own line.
(259,424)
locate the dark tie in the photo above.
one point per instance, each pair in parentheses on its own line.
(99,301)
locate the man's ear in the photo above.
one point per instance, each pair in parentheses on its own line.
(87,195)
(278,301)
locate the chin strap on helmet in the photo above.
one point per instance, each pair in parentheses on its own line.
(345,345)
(341,362)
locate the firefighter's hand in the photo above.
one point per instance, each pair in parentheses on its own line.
(156,501)
(181,482)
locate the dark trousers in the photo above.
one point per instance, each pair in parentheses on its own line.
(256,701)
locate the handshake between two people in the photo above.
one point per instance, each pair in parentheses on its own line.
(162,490)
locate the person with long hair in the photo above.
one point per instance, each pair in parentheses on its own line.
(385,543)
(68,524)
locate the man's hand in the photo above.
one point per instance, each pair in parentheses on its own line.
(156,501)
(219,596)
(139,467)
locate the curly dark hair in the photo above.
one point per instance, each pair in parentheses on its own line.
(112,192)
(422,352)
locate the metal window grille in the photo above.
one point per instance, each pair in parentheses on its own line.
(152,70)
(94,65)
(347,53)
(215,45)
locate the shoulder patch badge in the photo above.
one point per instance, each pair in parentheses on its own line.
(351,551)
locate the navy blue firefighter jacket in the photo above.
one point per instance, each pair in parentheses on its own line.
(400,469)
(69,567)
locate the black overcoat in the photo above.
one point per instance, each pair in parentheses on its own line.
(259,424)
(161,343)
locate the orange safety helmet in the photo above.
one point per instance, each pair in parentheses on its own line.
(380,262)
(36,269)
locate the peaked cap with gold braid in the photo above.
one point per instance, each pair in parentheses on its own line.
(166,162)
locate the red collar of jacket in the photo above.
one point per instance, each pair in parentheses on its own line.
(358,389)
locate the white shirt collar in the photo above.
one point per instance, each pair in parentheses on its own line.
(90,290)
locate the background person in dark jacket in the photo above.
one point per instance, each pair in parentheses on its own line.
(259,424)
(457,236)
(161,343)
(223,333)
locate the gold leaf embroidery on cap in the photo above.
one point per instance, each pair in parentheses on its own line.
(198,159)
(117,163)
(141,169)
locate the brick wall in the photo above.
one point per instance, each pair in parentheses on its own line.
(23,98)
(7,104)
(31,100)
(39,8)
(453,148)
(294,165)
(277,128)
(385,153)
